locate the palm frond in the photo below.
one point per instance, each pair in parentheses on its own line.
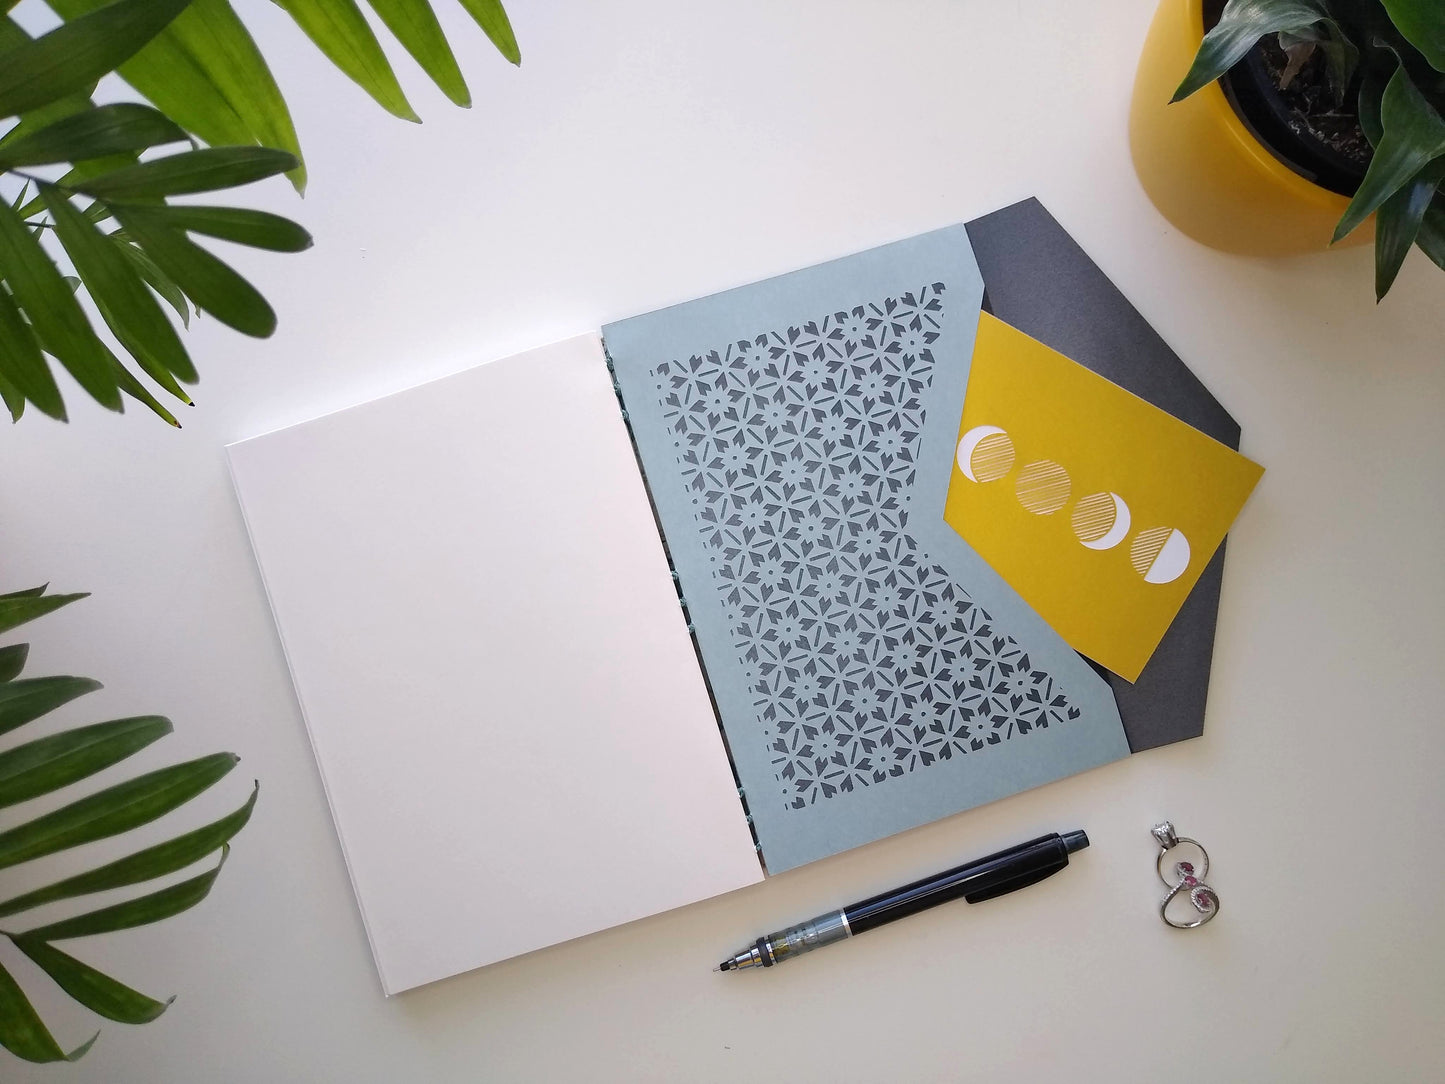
(207,83)
(48,765)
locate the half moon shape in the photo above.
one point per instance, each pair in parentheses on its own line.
(1173,559)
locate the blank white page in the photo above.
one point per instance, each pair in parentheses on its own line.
(509,718)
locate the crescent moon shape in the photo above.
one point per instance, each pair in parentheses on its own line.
(1173,559)
(970,442)
(1118,531)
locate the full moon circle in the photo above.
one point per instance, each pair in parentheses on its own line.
(1043,487)
(985,454)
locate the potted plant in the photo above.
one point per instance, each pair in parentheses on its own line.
(1297,124)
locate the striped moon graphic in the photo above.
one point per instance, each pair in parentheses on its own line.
(1101,520)
(1043,487)
(985,454)
(1160,554)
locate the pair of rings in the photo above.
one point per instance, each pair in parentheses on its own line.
(1188,879)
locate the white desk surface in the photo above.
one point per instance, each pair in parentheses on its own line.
(649,152)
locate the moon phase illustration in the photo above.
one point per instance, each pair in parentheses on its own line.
(1043,487)
(985,454)
(1160,554)
(1101,520)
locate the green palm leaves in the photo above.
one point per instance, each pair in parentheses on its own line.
(1400,50)
(83,195)
(92,187)
(46,765)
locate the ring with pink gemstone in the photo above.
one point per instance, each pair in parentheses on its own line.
(1188,880)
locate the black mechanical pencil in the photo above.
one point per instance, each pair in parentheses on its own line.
(1020,866)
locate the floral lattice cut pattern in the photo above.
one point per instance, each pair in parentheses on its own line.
(864,659)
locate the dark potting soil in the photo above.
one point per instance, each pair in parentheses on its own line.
(1301,124)
(1313,112)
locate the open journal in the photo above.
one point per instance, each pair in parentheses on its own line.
(664,610)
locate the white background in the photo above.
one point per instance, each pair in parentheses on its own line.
(649,152)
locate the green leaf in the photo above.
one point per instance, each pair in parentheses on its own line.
(12,661)
(10,395)
(210,32)
(16,609)
(1423,24)
(23,1033)
(1243,23)
(1413,135)
(1431,238)
(415,26)
(341,32)
(25,592)
(258,229)
(34,121)
(141,394)
(173,81)
(73,56)
(47,764)
(155,278)
(25,701)
(146,865)
(56,317)
(1373,81)
(22,363)
(114,810)
(190,171)
(12,37)
(1397,224)
(492,18)
(93,133)
(207,281)
(69,106)
(130,310)
(81,171)
(96,991)
(137,912)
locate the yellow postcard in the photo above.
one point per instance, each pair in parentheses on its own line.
(1100,509)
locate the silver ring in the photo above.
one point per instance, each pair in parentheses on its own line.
(1189,880)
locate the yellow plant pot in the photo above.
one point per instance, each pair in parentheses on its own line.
(1204,170)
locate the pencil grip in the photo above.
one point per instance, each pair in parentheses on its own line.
(804,937)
